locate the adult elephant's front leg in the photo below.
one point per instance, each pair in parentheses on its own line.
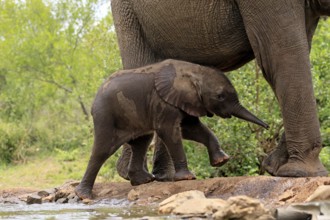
(277,33)
(135,52)
(277,157)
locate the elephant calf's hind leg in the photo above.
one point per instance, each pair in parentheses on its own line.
(103,148)
(137,172)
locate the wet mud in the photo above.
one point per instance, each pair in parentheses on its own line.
(271,191)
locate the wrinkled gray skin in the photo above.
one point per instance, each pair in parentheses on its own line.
(227,34)
(166,98)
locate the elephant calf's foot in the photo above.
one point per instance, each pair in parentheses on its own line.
(138,178)
(184,175)
(164,177)
(84,192)
(296,168)
(219,159)
(164,173)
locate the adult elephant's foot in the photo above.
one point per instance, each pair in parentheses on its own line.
(306,168)
(302,163)
(163,168)
(84,192)
(138,178)
(123,161)
(219,159)
(184,175)
(277,158)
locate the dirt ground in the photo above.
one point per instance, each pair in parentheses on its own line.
(271,191)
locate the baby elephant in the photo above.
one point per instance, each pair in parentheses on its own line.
(166,98)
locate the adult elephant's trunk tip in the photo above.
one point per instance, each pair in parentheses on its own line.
(244,114)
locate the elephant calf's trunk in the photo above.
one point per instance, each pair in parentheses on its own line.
(244,114)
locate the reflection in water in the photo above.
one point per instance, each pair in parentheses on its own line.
(114,209)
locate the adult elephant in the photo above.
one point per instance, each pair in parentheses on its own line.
(227,34)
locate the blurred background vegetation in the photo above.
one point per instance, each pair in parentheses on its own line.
(53,57)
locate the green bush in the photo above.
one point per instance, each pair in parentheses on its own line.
(15,142)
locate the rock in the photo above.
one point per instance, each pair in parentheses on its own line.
(105,192)
(71,196)
(133,195)
(286,195)
(73,183)
(66,189)
(283,214)
(194,203)
(152,199)
(23,198)
(49,198)
(70,183)
(168,205)
(62,201)
(11,200)
(74,200)
(87,201)
(166,192)
(43,193)
(33,199)
(305,211)
(243,208)
(199,207)
(320,194)
(61,194)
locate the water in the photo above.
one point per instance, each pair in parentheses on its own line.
(114,209)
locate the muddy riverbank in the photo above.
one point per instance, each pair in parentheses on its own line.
(271,191)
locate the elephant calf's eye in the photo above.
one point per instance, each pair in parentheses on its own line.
(221,97)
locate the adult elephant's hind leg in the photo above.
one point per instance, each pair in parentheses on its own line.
(137,172)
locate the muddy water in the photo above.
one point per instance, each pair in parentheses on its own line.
(114,209)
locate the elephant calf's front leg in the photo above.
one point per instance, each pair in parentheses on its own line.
(193,129)
(173,141)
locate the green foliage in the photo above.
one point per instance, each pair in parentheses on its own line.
(321,78)
(320,66)
(53,58)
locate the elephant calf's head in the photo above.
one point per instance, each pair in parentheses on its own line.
(220,97)
(200,91)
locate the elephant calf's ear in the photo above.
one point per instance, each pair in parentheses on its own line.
(178,90)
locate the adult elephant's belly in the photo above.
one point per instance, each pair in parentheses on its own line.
(209,32)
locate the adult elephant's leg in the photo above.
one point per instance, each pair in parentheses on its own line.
(278,157)
(135,52)
(276,30)
(134,49)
